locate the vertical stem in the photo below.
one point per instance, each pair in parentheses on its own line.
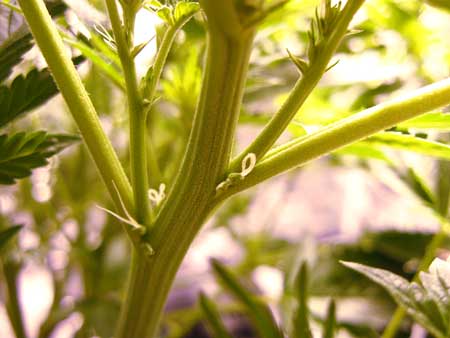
(123,35)
(188,204)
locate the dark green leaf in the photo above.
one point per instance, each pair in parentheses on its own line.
(22,152)
(301,316)
(257,310)
(8,234)
(26,93)
(15,39)
(212,316)
(329,329)
(11,53)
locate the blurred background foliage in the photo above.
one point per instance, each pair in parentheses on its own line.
(379,202)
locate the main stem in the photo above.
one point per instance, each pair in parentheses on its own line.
(188,204)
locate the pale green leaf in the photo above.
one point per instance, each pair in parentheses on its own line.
(184,10)
(411,143)
(435,121)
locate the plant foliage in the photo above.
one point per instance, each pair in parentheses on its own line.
(22,152)
(427,301)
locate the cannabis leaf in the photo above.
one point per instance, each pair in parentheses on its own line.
(435,121)
(320,30)
(8,234)
(15,39)
(12,53)
(427,301)
(411,143)
(22,152)
(257,310)
(173,12)
(26,93)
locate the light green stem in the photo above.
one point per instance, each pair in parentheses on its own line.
(344,132)
(150,83)
(301,91)
(79,103)
(188,204)
(123,36)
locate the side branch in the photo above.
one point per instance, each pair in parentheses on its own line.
(354,128)
(302,89)
(79,103)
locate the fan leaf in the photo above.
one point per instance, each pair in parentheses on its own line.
(22,152)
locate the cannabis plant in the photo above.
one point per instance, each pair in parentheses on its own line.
(164,191)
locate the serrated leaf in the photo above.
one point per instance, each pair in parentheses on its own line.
(435,121)
(412,297)
(26,93)
(11,53)
(22,152)
(15,39)
(258,311)
(8,234)
(438,289)
(166,15)
(411,143)
(397,286)
(212,316)
(184,10)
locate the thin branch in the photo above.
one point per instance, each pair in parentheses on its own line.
(78,101)
(123,35)
(354,128)
(302,89)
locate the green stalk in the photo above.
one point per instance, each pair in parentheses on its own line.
(79,103)
(188,204)
(346,131)
(303,88)
(154,74)
(123,36)
(150,83)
